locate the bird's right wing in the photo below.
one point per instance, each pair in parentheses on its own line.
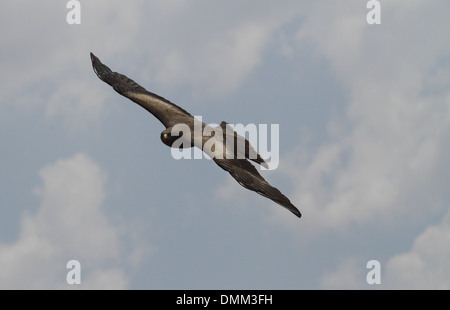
(247,175)
(241,147)
(161,108)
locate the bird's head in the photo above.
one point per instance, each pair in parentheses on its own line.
(176,137)
(167,138)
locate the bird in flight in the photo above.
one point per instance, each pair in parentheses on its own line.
(228,157)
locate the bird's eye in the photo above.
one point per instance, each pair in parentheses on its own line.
(166,136)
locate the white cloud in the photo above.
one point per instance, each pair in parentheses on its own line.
(76,102)
(69,224)
(133,37)
(46,62)
(210,52)
(426,265)
(378,165)
(221,63)
(349,274)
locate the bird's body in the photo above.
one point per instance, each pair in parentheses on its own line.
(229,150)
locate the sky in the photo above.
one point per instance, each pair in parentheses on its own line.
(364,139)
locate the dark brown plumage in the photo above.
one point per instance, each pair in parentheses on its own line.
(170,115)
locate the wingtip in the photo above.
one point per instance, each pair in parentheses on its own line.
(295,211)
(100,69)
(93,57)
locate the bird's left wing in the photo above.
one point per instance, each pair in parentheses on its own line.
(161,108)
